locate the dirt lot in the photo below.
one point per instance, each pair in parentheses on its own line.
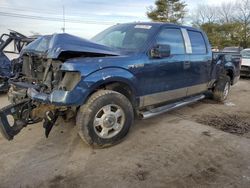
(171,150)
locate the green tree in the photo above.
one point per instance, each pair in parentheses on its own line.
(223,34)
(168,11)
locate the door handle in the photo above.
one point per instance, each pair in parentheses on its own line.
(187,64)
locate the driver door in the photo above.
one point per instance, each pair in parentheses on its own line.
(165,78)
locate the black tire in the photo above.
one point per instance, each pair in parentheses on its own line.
(219,91)
(88,112)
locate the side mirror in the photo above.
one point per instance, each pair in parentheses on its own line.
(160,51)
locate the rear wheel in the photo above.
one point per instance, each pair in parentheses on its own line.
(105,119)
(222,88)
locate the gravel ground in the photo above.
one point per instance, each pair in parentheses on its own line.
(183,148)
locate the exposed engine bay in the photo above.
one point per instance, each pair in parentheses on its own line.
(43,76)
(40,74)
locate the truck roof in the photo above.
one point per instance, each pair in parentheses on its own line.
(162,24)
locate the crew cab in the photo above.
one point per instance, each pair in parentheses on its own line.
(128,70)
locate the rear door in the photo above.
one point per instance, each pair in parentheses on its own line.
(200,60)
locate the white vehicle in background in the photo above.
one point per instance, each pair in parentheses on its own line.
(245,66)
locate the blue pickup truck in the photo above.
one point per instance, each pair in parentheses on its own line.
(128,70)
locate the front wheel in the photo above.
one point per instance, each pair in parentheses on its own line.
(105,119)
(222,88)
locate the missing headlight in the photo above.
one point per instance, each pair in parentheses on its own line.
(69,81)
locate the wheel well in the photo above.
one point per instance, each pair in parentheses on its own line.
(230,74)
(120,87)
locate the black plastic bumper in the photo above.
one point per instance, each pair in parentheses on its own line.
(19,113)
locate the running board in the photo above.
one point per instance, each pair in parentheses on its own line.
(169,107)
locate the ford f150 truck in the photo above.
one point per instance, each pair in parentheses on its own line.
(136,69)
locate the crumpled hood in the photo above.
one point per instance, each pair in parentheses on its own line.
(53,46)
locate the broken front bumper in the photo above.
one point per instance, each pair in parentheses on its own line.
(32,104)
(75,97)
(14,118)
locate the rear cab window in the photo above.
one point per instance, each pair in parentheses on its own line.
(197,42)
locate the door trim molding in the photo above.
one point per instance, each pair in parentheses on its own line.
(187,41)
(160,97)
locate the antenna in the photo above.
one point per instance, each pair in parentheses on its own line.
(63,28)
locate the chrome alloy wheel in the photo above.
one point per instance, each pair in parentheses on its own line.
(109,121)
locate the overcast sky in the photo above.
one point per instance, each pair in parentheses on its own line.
(84,18)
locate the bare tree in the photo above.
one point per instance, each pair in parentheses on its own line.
(243,17)
(226,12)
(230,21)
(243,11)
(205,14)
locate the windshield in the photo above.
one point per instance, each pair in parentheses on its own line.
(128,37)
(245,54)
(40,45)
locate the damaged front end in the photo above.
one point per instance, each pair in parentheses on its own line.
(15,117)
(43,91)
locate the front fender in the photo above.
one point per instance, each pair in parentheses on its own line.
(105,76)
(108,75)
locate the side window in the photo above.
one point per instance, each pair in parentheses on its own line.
(174,38)
(197,42)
